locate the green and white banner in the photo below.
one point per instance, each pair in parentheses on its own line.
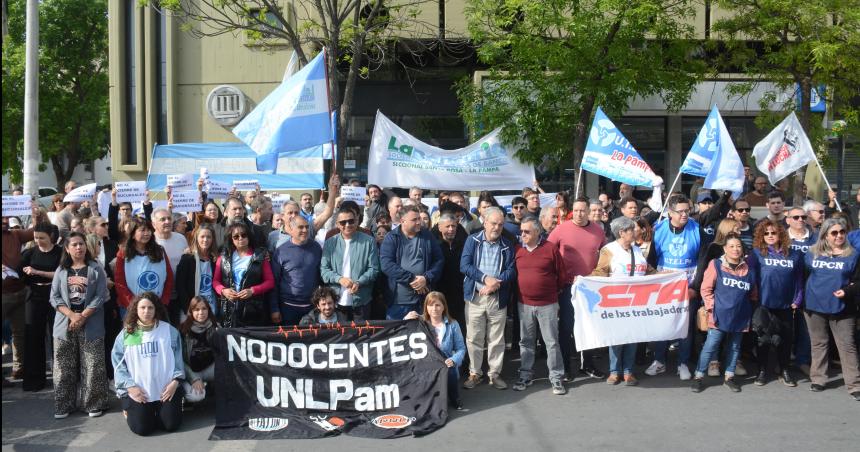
(397,159)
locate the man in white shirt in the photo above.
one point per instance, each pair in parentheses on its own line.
(174,246)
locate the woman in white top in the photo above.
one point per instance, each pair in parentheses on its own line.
(622,258)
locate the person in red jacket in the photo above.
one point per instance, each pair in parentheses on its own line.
(540,276)
(142,266)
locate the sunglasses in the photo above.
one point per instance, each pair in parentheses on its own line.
(350,222)
(525,231)
(520,207)
(240,235)
(769,233)
(798,217)
(838,233)
(743,210)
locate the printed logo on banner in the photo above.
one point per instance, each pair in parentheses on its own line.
(634,295)
(148,280)
(328,423)
(268,424)
(392,421)
(488,158)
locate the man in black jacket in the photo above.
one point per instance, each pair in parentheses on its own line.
(451,236)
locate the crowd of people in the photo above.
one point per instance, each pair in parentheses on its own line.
(135,298)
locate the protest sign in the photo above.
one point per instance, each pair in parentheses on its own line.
(376,379)
(186,201)
(625,310)
(81,194)
(784,150)
(397,159)
(246,184)
(17,206)
(103,200)
(609,154)
(278,200)
(184,181)
(218,190)
(133,191)
(357,194)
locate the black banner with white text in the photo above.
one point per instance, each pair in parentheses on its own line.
(377,380)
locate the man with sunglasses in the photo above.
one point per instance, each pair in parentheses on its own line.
(741,213)
(518,211)
(802,237)
(350,265)
(815,214)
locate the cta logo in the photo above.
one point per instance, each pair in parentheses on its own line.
(634,295)
(268,424)
(328,423)
(392,421)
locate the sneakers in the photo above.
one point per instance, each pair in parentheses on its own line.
(558,388)
(61,415)
(816,388)
(458,405)
(732,385)
(761,379)
(787,379)
(630,380)
(594,373)
(567,378)
(684,372)
(856,395)
(96,413)
(740,370)
(522,384)
(498,383)
(698,385)
(472,381)
(613,379)
(714,369)
(655,368)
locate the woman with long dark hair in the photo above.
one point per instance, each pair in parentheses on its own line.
(243,276)
(147,358)
(78,291)
(38,265)
(142,266)
(198,348)
(196,268)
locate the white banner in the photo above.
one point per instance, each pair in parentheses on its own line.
(15,206)
(184,181)
(350,193)
(218,190)
(132,191)
(397,159)
(186,201)
(81,194)
(246,184)
(784,150)
(626,310)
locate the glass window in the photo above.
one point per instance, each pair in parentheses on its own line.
(161,98)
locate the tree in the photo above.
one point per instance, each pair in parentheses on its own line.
(797,43)
(358,35)
(73,86)
(553,62)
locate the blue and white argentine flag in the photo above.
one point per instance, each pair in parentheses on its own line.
(294,117)
(227,162)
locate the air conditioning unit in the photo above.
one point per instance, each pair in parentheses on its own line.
(226,105)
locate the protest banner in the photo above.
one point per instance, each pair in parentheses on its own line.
(357,194)
(626,310)
(132,191)
(246,184)
(784,150)
(609,154)
(397,159)
(81,194)
(17,206)
(185,181)
(186,201)
(376,379)
(226,162)
(218,190)
(278,200)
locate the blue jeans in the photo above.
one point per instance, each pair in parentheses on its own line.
(565,326)
(802,344)
(712,347)
(686,344)
(398,311)
(627,355)
(453,384)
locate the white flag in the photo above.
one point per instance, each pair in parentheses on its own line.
(726,171)
(785,149)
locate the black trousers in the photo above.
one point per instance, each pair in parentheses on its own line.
(786,332)
(113,325)
(38,323)
(144,418)
(356,313)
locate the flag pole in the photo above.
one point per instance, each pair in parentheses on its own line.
(669,193)
(578,178)
(826,182)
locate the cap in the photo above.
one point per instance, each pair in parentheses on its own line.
(14,222)
(704,197)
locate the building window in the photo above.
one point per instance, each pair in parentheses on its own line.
(161,98)
(130,113)
(273,27)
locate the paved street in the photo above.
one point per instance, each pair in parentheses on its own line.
(660,414)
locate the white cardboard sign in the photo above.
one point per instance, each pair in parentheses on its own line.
(187,201)
(130,191)
(350,193)
(81,194)
(16,206)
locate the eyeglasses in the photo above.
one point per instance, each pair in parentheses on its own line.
(302,227)
(798,217)
(743,210)
(838,232)
(240,235)
(350,222)
(525,231)
(682,212)
(519,207)
(769,233)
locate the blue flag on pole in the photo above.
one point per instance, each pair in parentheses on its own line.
(294,117)
(703,151)
(609,154)
(726,170)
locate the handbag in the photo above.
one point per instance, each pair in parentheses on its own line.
(702,319)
